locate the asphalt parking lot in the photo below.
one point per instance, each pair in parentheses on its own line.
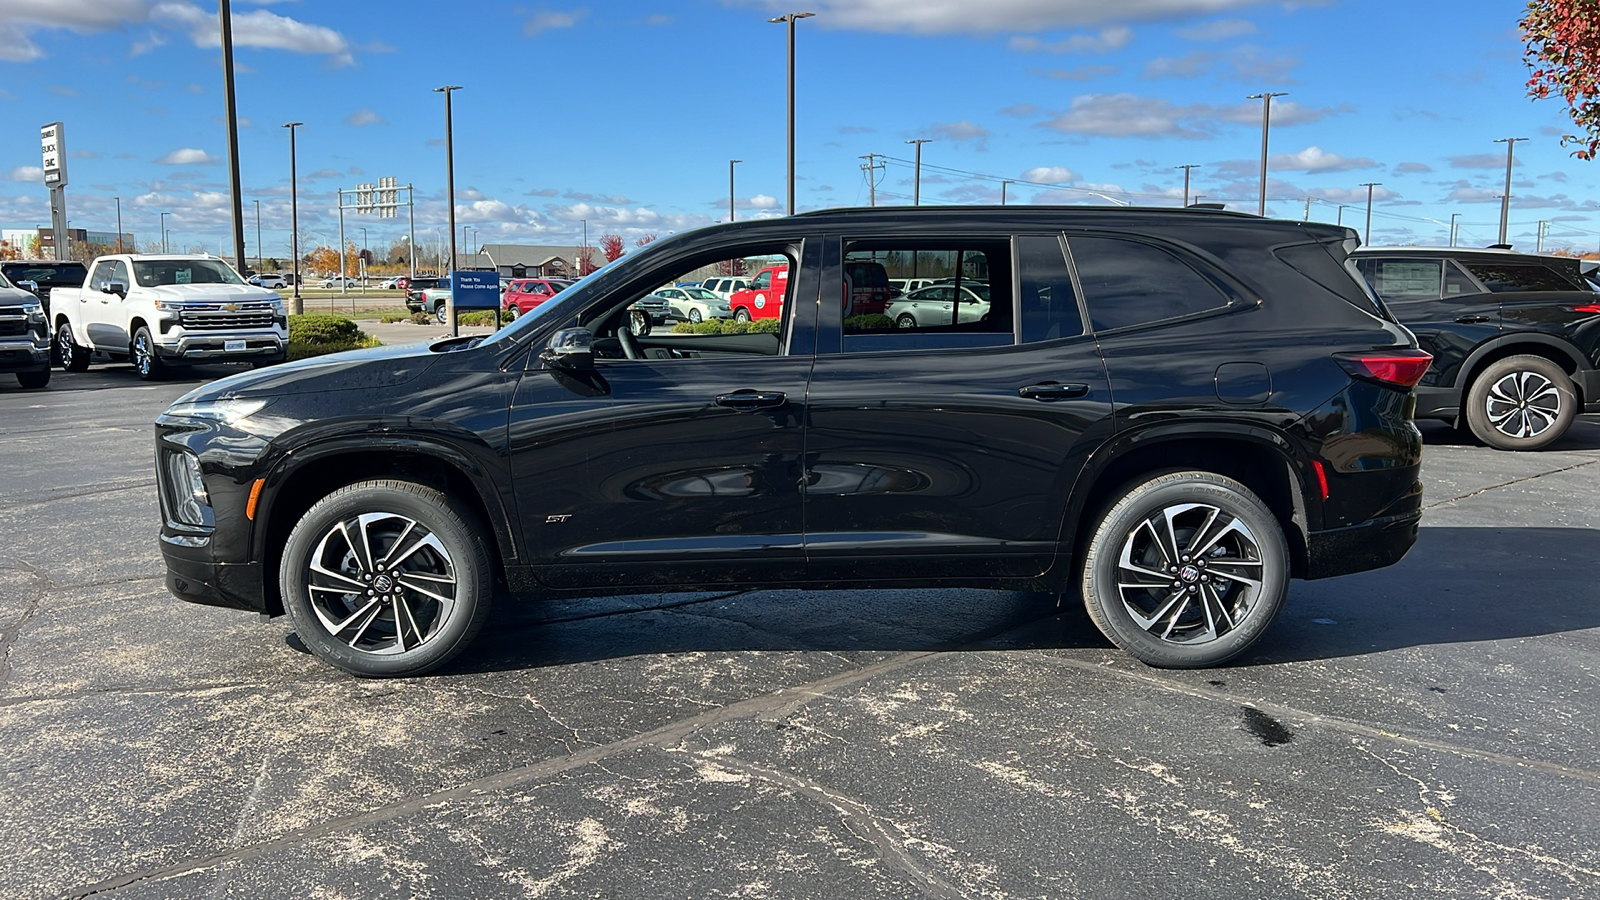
(1427,730)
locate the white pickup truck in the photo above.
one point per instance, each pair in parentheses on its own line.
(161,311)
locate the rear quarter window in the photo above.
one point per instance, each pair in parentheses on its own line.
(1507,278)
(1128,282)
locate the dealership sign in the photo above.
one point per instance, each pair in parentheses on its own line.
(53,139)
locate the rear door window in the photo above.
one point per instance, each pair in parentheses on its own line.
(970,306)
(1049,302)
(1404,280)
(1128,282)
(1505,278)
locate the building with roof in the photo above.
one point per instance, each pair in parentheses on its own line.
(530,261)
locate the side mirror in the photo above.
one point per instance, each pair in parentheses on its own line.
(639,322)
(31,287)
(569,348)
(118,288)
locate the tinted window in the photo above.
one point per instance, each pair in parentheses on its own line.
(1456,282)
(49,276)
(1130,283)
(1503,278)
(1049,304)
(1400,280)
(971,306)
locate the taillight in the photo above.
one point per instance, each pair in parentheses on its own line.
(1587,308)
(1394,368)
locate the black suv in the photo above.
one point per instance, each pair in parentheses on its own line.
(1172,412)
(24,335)
(1515,338)
(41,276)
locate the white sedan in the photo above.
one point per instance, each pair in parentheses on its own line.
(268,281)
(930,306)
(332,281)
(695,303)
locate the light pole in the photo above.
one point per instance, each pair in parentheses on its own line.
(1003,192)
(1453,217)
(1186,169)
(450,192)
(588,255)
(363,267)
(1505,200)
(916,182)
(1369,185)
(730,187)
(164,231)
(791,18)
(1340,219)
(236,204)
(297,306)
(119,223)
(258,236)
(1266,124)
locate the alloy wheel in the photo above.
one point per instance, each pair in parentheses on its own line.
(1189,573)
(1523,404)
(382,583)
(141,353)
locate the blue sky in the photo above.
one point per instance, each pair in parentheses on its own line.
(625,114)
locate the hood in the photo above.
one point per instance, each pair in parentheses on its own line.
(226,293)
(14,296)
(375,368)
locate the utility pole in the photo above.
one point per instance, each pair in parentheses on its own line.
(259,254)
(1453,217)
(1003,192)
(1308,210)
(236,201)
(1505,200)
(916,190)
(791,18)
(164,231)
(731,163)
(1369,185)
(1544,228)
(298,305)
(871,167)
(450,194)
(1266,125)
(1186,169)
(1340,220)
(119,223)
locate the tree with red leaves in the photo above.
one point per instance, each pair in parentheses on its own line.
(586,260)
(611,246)
(1563,50)
(644,240)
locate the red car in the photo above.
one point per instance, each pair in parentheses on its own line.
(763,299)
(525,294)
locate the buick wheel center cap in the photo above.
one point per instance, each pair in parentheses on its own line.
(1189,574)
(382,584)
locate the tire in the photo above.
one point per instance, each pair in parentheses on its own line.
(441,313)
(33,380)
(905,321)
(73,358)
(741,315)
(1521,403)
(694,316)
(515,310)
(442,584)
(1136,542)
(145,361)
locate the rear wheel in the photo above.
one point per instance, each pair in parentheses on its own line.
(386,578)
(441,314)
(72,357)
(694,316)
(1185,570)
(905,321)
(33,380)
(145,360)
(1521,403)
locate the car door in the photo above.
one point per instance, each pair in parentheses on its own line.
(949,449)
(680,468)
(104,319)
(1447,309)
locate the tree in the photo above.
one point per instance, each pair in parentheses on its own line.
(9,250)
(1562,39)
(644,240)
(323,259)
(611,246)
(585,260)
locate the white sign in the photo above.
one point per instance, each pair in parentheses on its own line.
(53,140)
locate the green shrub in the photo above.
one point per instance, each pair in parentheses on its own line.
(302,350)
(391,318)
(320,328)
(421,318)
(868,322)
(728,326)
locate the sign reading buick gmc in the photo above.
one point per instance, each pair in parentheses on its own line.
(53,139)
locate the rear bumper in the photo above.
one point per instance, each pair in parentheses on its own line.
(1589,382)
(1380,541)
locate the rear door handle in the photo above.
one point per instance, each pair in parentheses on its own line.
(1472,320)
(1050,390)
(746,400)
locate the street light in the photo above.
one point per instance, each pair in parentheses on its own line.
(119,223)
(1453,217)
(235,200)
(164,232)
(450,192)
(1266,125)
(363,267)
(916,184)
(1369,185)
(730,187)
(297,306)
(791,18)
(1505,199)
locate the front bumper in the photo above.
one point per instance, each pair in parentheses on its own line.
(193,576)
(23,356)
(209,345)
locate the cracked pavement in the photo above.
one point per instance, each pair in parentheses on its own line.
(1425,730)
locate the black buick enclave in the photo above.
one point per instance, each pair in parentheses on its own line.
(1169,412)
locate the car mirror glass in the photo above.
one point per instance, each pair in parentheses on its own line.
(569,348)
(118,288)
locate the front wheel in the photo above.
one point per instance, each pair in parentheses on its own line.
(1521,403)
(1185,570)
(145,360)
(34,380)
(741,315)
(514,310)
(72,357)
(386,578)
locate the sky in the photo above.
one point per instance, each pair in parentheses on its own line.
(624,114)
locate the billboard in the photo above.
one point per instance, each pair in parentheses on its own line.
(53,140)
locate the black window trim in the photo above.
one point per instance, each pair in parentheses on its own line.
(1072,274)
(1237,296)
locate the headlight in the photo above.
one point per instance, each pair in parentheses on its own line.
(228,412)
(186,492)
(35,313)
(277,306)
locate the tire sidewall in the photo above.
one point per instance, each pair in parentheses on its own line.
(151,370)
(1098,571)
(73,357)
(474,580)
(1478,413)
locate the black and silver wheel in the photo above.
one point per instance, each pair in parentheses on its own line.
(694,316)
(70,356)
(1521,403)
(1185,570)
(741,315)
(386,578)
(145,360)
(441,314)
(906,320)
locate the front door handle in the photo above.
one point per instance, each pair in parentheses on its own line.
(747,400)
(1050,390)
(1472,320)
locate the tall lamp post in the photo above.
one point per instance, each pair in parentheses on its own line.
(791,18)
(1505,199)
(236,206)
(450,191)
(916,181)
(1366,238)
(1266,126)
(297,306)
(164,231)
(1453,217)
(119,223)
(730,186)
(259,254)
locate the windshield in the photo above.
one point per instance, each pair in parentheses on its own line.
(64,275)
(160,272)
(699,294)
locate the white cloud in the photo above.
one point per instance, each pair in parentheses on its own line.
(188,156)
(1050,175)
(26,173)
(549,20)
(15,46)
(959,132)
(1076,73)
(364,117)
(960,17)
(761,201)
(1480,161)
(1114,37)
(257,28)
(78,15)
(1220,30)
(1123,115)
(1315,159)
